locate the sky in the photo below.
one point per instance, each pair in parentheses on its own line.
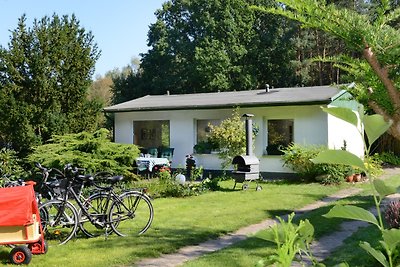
(119,26)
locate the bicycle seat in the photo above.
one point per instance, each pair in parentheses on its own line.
(53,184)
(115,179)
(85,178)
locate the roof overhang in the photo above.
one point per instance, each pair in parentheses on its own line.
(321,95)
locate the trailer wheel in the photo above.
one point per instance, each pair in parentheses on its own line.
(20,255)
(258,188)
(245,186)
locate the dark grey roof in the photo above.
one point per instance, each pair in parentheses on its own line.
(251,98)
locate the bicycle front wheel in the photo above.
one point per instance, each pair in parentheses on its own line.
(131,214)
(59,221)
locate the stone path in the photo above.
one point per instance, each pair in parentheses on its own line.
(321,248)
(325,245)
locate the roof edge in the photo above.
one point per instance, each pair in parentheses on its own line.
(280,104)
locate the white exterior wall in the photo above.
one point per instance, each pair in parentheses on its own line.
(340,131)
(311,126)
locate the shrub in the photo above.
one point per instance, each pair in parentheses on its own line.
(92,151)
(210,184)
(388,158)
(298,158)
(10,165)
(230,137)
(392,214)
(374,165)
(165,185)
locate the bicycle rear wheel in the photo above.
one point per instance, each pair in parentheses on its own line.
(131,214)
(59,221)
(97,207)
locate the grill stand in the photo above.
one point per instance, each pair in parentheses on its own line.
(245,185)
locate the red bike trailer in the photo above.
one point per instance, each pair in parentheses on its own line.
(20,223)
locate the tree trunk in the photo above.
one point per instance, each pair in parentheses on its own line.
(391,89)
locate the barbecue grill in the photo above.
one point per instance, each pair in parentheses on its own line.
(247,167)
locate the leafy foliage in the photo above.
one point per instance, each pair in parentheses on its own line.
(126,82)
(298,158)
(10,165)
(92,151)
(205,147)
(44,78)
(291,240)
(389,158)
(231,138)
(165,185)
(210,45)
(372,36)
(390,238)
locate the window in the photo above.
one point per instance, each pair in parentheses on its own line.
(280,134)
(202,130)
(151,133)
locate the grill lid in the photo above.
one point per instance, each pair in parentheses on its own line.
(245,160)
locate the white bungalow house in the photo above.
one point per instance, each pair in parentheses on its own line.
(282,115)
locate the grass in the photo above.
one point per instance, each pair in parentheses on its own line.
(352,253)
(255,248)
(185,221)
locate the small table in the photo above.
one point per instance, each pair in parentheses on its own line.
(147,163)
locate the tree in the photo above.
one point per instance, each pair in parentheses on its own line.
(205,46)
(44,78)
(101,89)
(371,33)
(230,137)
(127,82)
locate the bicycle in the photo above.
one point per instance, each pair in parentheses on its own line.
(129,212)
(98,213)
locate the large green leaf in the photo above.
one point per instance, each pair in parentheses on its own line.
(270,235)
(391,237)
(306,233)
(345,114)
(383,189)
(374,126)
(339,157)
(352,212)
(375,253)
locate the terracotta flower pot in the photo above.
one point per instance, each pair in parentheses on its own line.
(357,177)
(349,178)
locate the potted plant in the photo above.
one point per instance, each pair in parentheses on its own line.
(275,149)
(205,147)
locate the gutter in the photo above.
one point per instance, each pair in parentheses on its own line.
(233,105)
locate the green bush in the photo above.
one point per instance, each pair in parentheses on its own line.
(389,158)
(165,185)
(374,164)
(92,151)
(10,165)
(298,158)
(230,137)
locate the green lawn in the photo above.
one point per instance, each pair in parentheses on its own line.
(184,221)
(255,248)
